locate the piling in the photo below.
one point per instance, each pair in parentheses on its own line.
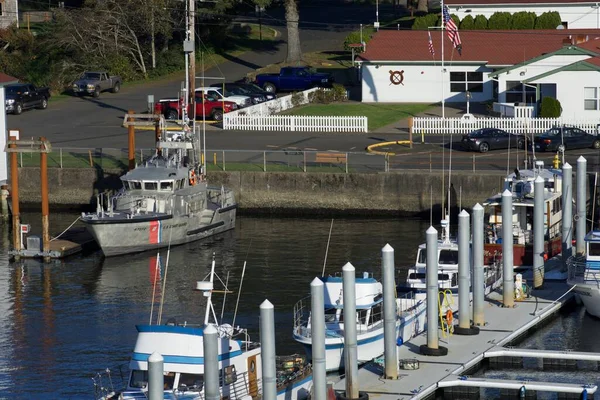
(131,135)
(14,182)
(478,276)
(580,227)
(267,344)
(4,201)
(211,363)
(317,332)
(464,298)
(156,378)
(45,202)
(350,349)
(508,284)
(432,348)
(538,232)
(389,312)
(567,217)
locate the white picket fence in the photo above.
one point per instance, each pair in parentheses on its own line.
(296,123)
(434,125)
(270,107)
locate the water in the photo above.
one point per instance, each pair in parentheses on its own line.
(63,322)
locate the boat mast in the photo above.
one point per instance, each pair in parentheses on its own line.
(208,294)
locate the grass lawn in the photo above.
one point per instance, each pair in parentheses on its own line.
(379,115)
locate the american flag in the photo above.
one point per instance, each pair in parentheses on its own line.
(431,49)
(452,30)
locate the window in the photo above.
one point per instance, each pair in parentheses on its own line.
(593,249)
(135,185)
(448,257)
(229,375)
(516,92)
(1,8)
(169,380)
(191,382)
(466,81)
(139,379)
(150,185)
(330,314)
(287,72)
(590,98)
(422,257)
(166,185)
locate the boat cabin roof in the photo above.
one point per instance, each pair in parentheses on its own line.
(593,236)
(368,292)
(154,174)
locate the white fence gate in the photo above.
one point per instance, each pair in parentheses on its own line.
(296,123)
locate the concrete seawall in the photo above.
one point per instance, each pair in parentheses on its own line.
(397,193)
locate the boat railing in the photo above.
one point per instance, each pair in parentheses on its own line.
(301,316)
(579,269)
(110,381)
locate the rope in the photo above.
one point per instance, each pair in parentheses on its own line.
(69,227)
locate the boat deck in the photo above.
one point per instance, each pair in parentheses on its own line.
(503,325)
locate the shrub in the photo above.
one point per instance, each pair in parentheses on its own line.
(548,20)
(323,96)
(500,20)
(468,23)
(523,20)
(480,22)
(297,99)
(551,108)
(426,21)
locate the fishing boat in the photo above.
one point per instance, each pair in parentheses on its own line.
(369,320)
(182,349)
(584,274)
(521,184)
(166,200)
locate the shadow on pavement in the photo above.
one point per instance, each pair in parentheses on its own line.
(102,104)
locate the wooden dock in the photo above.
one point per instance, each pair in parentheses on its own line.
(433,375)
(74,240)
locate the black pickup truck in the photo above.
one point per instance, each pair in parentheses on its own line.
(22,96)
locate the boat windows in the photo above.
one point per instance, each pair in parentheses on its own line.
(330,314)
(139,379)
(422,256)
(190,382)
(362,316)
(135,185)
(593,249)
(229,375)
(166,185)
(441,277)
(169,380)
(448,257)
(150,185)
(376,312)
(179,184)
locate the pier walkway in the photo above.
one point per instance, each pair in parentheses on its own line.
(503,325)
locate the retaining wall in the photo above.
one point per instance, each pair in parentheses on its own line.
(401,193)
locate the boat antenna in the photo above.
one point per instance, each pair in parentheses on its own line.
(238,296)
(327,249)
(225,295)
(594,200)
(208,300)
(162,297)
(154,286)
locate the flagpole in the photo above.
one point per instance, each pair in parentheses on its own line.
(443,86)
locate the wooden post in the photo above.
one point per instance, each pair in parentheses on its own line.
(45,207)
(157,134)
(411,123)
(131,132)
(91,159)
(14,181)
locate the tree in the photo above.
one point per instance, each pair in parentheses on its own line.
(548,20)
(480,22)
(523,20)
(426,21)
(467,23)
(294,51)
(550,108)
(500,21)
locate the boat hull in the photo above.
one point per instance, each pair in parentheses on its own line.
(522,254)
(590,297)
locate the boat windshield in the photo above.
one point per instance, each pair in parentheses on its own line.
(134,185)
(191,382)
(166,185)
(139,379)
(150,185)
(330,314)
(448,257)
(594,249)
(422,256)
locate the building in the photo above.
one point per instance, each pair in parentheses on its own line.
(9,13)
(575,14)
(7,79)
(498,66)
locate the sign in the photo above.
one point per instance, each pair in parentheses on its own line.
(14,132)
(25,228)
(396,77)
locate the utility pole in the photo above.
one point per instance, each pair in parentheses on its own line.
(192,59)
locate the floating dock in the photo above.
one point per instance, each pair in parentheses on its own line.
(422,377)
(72,241)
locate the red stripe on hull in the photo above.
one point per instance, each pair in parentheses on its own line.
(522,254)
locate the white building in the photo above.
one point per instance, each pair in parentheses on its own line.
(574,14)
(500,66)
(9,13)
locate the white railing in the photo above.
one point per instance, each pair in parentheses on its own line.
(434,125)
(510,110)
(295,123)
(272,106)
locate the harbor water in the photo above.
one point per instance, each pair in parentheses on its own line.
(62,322)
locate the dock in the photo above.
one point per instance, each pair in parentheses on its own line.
(73,241)
(423,377)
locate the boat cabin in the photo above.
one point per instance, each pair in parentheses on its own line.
(447,262)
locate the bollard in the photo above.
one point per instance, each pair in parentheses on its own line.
(567,217)
(432,348)
(464,263)
(580,227)
(267,344)
(350,349)
(211,363)
(156,378)
(538,232)
(317,331)
(508,285)
(389,312)
(14,181)
(4,201)
(478,276)
(45,202)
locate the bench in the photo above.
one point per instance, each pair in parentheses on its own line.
(332,158)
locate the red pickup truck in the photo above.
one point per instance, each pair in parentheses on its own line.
(213,109)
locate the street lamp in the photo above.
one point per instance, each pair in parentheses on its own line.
(468,95)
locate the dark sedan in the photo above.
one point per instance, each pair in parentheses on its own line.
(238,89)
(486,139)
(566,137)
(253,88)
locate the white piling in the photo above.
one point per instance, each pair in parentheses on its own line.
(580,227)
(350,349)
(267,344)
(211,363)
(4,212)
(156,378)
(508,284)
(538,232)
(389,312)
(567,211)
(478,276)
(317,331)
(464,320)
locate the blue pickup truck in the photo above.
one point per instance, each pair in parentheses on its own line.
(293,78)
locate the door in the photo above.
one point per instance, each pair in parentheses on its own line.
(28,96)
(252,377)
(579,139)
(502,139)
(286,79)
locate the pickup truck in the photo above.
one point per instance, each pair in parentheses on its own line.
(213,108)
(22,96)
(293,78)
(218,94)
(94,83)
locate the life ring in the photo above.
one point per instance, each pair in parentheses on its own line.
(192,178)
(449,317)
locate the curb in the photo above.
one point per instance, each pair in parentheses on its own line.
(385,153)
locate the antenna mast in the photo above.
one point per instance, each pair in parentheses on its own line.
(191,17)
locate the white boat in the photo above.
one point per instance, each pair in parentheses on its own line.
(369,320)
(181,346)
(584,274)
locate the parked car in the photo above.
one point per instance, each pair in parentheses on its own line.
(22,96)
(237,89)
(293,78)
(486,139)
(213,108)
(254,88)
(217,93)
(561,138)
(94,83)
